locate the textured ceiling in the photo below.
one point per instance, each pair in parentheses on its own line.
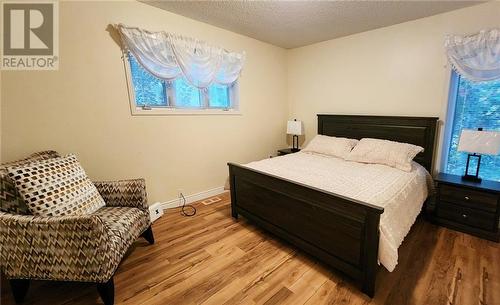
(291,24)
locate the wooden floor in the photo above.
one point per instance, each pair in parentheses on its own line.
(213,259)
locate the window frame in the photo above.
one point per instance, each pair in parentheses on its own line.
(449,121)
(233,91)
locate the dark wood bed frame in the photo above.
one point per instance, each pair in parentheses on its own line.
(340,231)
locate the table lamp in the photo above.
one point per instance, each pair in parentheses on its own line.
(477,143)
(296,129)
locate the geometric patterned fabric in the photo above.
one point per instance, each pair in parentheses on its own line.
(10,200)
(83,248)
(56,187)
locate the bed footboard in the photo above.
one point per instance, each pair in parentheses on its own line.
(340,231)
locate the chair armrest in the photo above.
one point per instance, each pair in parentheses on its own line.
(124,193)
(64,248)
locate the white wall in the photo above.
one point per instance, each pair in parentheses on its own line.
(84,108)
(397,70)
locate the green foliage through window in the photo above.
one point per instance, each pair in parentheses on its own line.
(149,90)
(153,92)
(477,105)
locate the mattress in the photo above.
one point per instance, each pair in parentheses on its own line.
(400,193)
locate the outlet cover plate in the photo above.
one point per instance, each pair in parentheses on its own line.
(155,211)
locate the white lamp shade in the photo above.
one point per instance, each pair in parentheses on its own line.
(295,128)
(479,142)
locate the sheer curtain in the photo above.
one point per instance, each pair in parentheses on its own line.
(475,57)
(169,56)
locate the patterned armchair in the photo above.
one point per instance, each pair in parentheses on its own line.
(83,248)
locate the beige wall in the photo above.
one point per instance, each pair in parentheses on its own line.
(84,107)
(397,70)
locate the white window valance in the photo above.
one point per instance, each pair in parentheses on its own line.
(476,57)
(169,56)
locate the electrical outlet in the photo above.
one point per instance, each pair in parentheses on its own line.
(155,211)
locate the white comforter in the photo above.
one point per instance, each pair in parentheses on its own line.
(400,193)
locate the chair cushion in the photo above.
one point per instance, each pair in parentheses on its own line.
(124,223)
(56,187)
(10,200)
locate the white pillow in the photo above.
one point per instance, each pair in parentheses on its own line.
(394,154)
(331,146)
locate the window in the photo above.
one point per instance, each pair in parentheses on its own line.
(148,90)
(151,95)
(472,105)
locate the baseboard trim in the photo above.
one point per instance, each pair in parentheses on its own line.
(175,203)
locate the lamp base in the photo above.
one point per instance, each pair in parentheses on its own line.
(471,178)
(295,144)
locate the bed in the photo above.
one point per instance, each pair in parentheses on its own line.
(337,229)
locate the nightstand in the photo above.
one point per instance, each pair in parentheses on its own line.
(468,207)
(286,151)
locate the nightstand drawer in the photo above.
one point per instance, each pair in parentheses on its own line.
(470,198)
(466,216)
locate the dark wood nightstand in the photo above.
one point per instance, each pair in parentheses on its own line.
(468,206)
(286,151)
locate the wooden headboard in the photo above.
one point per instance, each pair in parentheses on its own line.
(414,130)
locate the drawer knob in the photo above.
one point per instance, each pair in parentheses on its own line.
(467,198)
(464,216)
